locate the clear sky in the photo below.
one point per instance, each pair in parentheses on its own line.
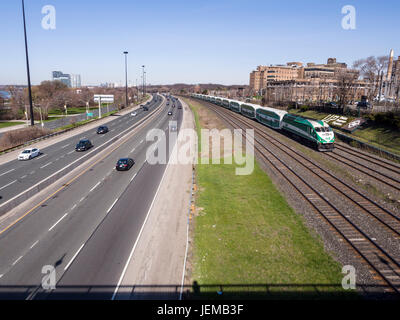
(207,41)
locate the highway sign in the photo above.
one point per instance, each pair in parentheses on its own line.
(105,98)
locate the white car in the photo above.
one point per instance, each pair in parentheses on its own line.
(28,154)
(134,114)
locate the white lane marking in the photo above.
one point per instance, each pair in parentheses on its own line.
(58,221)
(112,205)
(138,237)
(73,207)
(83,198)
(112,130)
(32,172)
(16,261)
(95,186)
(73,258)
(46,165)
(133,176)
(35,244)
(6,172)
(133,150)
(8,185)
(24,176)
(65,146)
(142,121)
(141,141)
(1,276)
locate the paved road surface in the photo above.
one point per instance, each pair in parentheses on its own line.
(17,176)
(86,230)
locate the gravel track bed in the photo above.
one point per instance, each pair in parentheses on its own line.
(340,249)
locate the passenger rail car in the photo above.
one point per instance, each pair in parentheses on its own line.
(314,132)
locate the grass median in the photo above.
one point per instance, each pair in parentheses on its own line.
(246,234)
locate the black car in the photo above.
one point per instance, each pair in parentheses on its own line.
(83,145)
(102,129)
(170,113)
(124,164)
(145,108)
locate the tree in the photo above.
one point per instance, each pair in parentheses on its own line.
(345,88)
(372,69)
(18,101)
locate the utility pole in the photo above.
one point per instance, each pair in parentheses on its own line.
(27,68)
(126,78)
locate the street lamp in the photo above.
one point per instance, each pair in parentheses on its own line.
(27,68)
(126,78)
(143,78)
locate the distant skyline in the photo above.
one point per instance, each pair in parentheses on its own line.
(190,42)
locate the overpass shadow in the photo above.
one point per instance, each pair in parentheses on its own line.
(200,292)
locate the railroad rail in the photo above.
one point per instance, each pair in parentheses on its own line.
(382,263)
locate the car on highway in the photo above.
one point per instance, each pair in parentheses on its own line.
(145,108)
(134,114)
(102,130)
(124,164)
(29,154)
(170,113)
(173,128)
(83,145)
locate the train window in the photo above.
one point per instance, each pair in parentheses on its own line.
(318,129)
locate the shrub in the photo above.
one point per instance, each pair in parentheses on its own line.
(17,137)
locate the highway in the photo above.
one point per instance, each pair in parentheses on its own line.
(18,176)
(86,230)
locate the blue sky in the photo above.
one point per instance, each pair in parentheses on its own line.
(188,41)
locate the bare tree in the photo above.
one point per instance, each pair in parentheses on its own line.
(372,69)
(344,89)
(18,101)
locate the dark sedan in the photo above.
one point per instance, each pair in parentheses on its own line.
(124,164)
(83,145)
(102,130)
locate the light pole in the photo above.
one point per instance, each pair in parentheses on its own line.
(145,83)
(143,78)
(126,78)
(27,68)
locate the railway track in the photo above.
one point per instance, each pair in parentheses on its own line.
(373,173)
(382,264)
(391,166)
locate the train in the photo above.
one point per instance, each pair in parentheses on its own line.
(316,133)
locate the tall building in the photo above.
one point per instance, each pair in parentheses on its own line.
(390,66)
(294,74)
(76,81)
(264,74)
(64,78)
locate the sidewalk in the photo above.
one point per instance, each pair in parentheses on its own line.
(159,256)
(18,126)
(10,156)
